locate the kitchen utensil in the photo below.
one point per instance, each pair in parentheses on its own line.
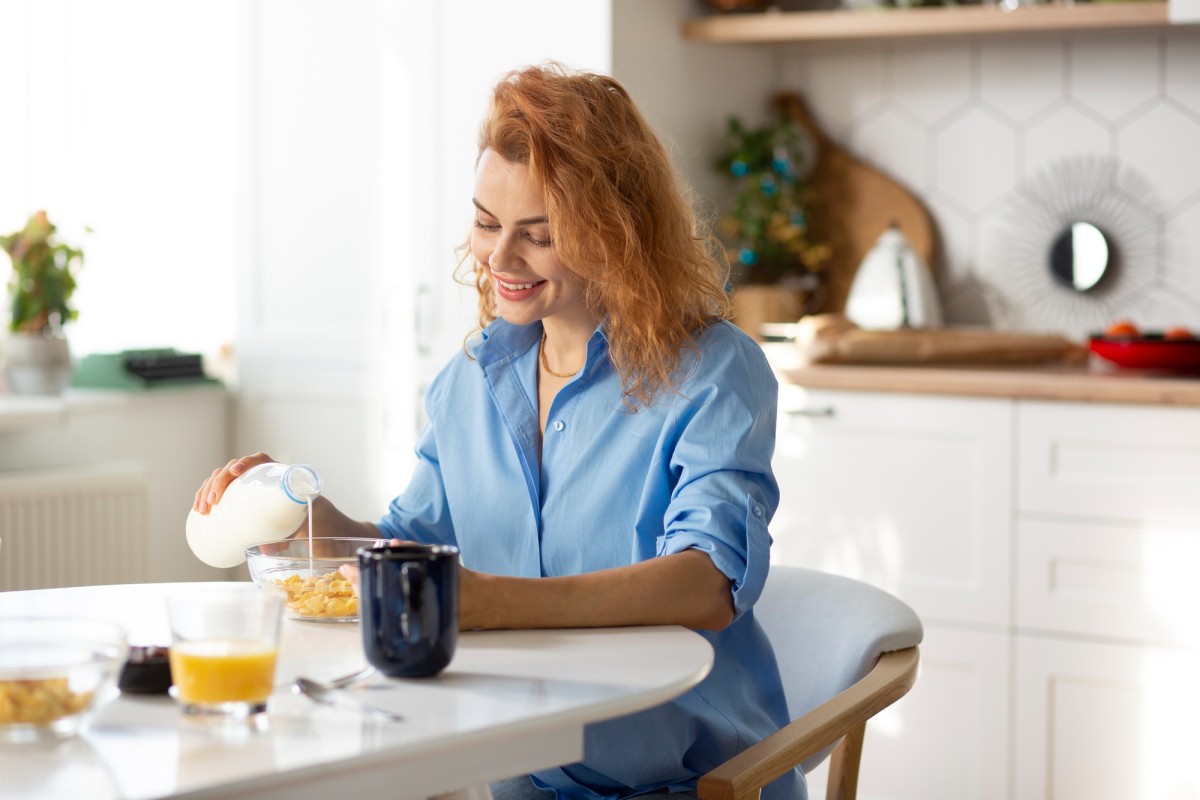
(892,289)
(343,681)
(329,695)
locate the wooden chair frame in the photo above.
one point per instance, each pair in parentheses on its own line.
(841,719)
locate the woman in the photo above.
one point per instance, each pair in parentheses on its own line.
(601,451)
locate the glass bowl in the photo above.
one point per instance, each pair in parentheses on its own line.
(316,591)
(54,673)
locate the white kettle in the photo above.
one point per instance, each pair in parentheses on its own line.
(892,288)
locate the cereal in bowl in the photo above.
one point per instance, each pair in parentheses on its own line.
(327,595)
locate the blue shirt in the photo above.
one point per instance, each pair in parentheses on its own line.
(616,486)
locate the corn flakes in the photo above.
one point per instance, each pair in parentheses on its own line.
(39,701)
(328,595)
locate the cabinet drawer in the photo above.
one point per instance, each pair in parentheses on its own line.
(1104,460)
(1109,579)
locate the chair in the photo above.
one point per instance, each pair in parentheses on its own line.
(846,651)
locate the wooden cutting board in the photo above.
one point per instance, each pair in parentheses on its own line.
(853,204)
(833,339)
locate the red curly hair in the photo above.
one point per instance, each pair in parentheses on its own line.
(619,217)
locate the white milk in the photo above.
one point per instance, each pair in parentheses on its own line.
(263,504)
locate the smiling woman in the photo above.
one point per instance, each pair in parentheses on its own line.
(600,450)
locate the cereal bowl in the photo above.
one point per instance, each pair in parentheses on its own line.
(54,673)
(316,590)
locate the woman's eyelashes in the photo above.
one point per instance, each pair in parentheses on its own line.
(492,228)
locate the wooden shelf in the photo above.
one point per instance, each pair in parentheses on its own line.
(894,23)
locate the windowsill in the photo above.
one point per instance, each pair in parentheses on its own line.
(31,412)
(19,413)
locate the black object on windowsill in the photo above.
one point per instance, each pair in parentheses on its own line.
(139,369)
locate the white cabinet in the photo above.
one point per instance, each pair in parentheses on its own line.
(905,492)
(1050,549)
(1100,720)
(912,494)
(1107,545)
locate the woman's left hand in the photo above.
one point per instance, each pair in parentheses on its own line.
(350,571)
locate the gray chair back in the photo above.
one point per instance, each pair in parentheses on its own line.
(828,631)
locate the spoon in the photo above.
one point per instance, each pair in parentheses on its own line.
(351,679)
(322,693)
(340,682)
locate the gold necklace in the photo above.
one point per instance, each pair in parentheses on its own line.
(546,364)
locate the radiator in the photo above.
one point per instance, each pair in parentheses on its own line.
(74,526)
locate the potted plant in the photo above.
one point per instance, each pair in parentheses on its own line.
(777,268)
(38,357)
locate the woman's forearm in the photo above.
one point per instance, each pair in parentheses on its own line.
(680,589)
(329,522)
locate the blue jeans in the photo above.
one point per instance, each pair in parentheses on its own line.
(522,788)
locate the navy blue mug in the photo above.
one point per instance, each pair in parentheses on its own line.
(408,607)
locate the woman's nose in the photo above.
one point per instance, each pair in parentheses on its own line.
(503,253)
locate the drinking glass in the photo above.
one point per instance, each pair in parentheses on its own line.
(224,642)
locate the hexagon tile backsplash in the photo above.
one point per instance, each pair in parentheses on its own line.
(981,129)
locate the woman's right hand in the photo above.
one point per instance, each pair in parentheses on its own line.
(209,493)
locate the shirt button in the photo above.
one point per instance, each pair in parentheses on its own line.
(758,511)
(559,425)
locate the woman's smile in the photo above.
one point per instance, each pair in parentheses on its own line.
(517,292)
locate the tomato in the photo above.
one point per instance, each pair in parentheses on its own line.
(1122,327)
(1178,332)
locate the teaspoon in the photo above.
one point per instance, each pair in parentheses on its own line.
(321,693)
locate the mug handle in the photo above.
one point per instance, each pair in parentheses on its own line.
(412,588)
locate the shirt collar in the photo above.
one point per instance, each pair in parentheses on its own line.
(503,341)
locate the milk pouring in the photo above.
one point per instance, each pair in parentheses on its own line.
(266,503)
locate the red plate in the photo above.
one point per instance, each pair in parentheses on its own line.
(1149,351)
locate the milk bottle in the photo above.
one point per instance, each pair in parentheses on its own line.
(266,503)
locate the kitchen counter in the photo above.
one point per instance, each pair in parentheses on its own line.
(1093,382)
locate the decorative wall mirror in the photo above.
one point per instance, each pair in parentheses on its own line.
(1079,258)
(1073,248)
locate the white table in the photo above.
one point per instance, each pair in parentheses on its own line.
(509,703)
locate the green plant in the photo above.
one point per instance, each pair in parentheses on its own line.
(766,230)
(43,277)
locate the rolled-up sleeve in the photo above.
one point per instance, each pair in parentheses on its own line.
(422,512)
(721,442)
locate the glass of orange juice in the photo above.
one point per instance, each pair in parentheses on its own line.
(224,642)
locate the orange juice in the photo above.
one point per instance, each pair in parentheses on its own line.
(223,671)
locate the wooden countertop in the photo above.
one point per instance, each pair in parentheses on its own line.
(1093,382)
